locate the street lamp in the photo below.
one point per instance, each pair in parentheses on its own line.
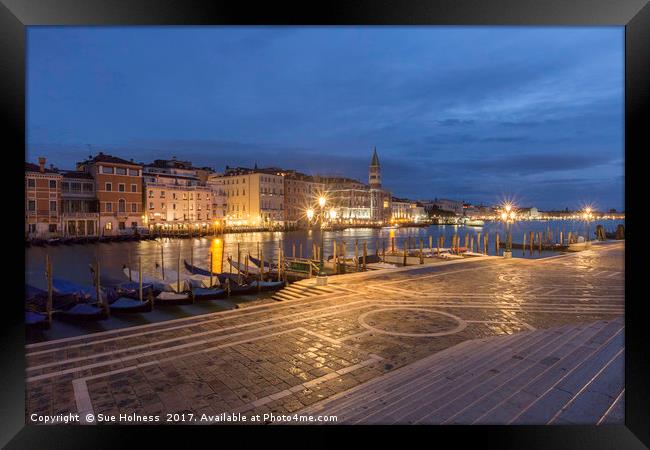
(508,216)
(322,277)
(587,215)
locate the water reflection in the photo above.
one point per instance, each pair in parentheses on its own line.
(72,262)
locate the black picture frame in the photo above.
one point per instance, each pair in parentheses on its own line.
(16,15)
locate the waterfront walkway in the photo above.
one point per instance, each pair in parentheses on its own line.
(288,356)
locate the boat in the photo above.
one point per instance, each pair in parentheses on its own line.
(473,222)
(81,312)
(131,289)
(167,298)
(200,293)
(37,319)
(130,305)
(157,284)
(65,287)
(36,298)
(248,286)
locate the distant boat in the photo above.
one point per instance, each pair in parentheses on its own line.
(473,222)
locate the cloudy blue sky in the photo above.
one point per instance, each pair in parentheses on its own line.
(472,113)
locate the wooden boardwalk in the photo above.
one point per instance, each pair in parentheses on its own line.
(565,375)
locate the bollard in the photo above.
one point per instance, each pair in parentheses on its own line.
(365,253)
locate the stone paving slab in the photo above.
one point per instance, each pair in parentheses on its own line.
(284,356)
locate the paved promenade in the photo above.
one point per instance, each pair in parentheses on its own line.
(288,356)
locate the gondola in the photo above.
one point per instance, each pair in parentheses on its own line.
(37,320)
(208,293)
(65,287)
(264,285)
(166,290)
(81,312)
(36,298)
(130,305)
(248,287)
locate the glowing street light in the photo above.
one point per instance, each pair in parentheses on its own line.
(310,214)
(321,201)
(588,215)
(508,216)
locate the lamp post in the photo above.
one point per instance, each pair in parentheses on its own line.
(508,216)
(587,215)
(322,276)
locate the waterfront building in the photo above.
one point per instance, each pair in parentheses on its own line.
(380,210)
(349,198)
(42,201)
(301,192)
(403,210)
(79,205)
(176,199)
(528,213)
(254,197)
(445,204)
(118,186)
(357,202)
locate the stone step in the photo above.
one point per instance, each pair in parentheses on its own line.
(542,409)
(389,400)
(499,379)
(547,368)
(593,401)
(387,382)
(477,382)
(533,381)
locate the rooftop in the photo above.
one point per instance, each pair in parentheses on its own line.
(103,158)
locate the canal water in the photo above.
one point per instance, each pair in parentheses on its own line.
(72,262)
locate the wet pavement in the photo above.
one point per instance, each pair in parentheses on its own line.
(285,356)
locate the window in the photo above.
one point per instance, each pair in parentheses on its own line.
(52,228)
(108,226)
(31,182)
(134,207)
(121,225)
(120,170)
(150,205)
(107,170)
(134,172)
(121,187)
(174,195)
(109,207)
(53,206)
(31,205)
(52,184)
(87,187)
(109,186)
(134,188)
(121,205)
(162,194)
(32,228)
(75,187)
(65,187)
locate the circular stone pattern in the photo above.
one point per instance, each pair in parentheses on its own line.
(414,322)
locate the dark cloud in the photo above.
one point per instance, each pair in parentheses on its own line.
(467,112)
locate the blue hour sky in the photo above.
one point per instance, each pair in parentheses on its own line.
(471,113)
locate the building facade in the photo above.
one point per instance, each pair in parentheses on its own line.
(118,186)
(79,205)
(301,192)
(42,201)
(253,197)
(176,201)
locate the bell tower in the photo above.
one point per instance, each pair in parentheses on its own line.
(374,172)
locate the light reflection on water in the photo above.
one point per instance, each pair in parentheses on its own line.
(72,262)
